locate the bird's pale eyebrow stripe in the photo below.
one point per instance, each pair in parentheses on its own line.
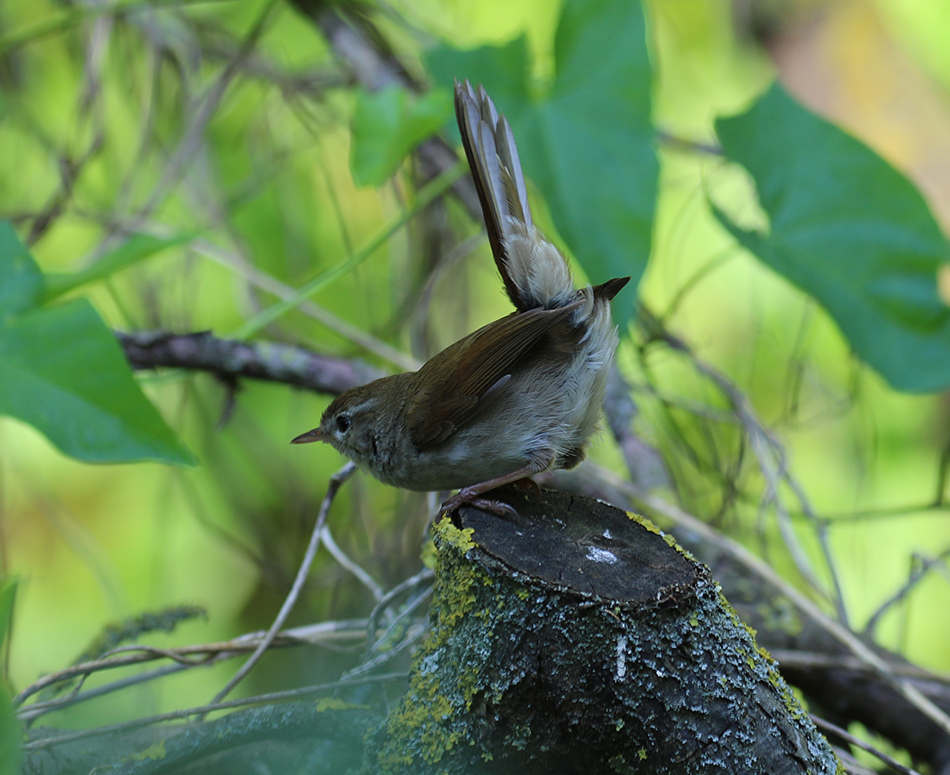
(369,403)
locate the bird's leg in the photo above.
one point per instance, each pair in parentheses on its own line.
(472,493)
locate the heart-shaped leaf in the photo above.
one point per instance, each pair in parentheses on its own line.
(849,230)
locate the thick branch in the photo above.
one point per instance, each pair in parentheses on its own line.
(841,687)
(230,360)
(845,692)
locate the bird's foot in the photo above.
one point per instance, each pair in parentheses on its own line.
(472,497)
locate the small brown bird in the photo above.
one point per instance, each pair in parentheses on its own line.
(516,397)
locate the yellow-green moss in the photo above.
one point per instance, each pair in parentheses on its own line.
(733,614)
(641,520)
(448,534)
(153,753)
(646,523)
(418,720)
(455,601)
(334,703)
(421,724)
(788,697)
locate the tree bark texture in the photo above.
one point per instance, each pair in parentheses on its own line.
(576,638)
(843,693)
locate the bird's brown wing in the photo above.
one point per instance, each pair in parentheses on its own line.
(454,384)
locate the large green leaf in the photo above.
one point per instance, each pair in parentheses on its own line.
(849,230)
(587,142)
(62,371)
(503,70)
(21,281)
(387,125)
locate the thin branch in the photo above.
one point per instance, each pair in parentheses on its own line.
(322,634)
(424,197)
(136,654)
(383,655)
(916,576)
(895,765)
(75,696)
(202,113)
(335,482)
(374,66)
(238,263)
(73,16)
(203,710)
(255,276)
(361,575)
(810,660)
(772,461)
(648,471)
(693,146)
(422,577)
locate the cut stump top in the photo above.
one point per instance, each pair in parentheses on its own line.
(577,545)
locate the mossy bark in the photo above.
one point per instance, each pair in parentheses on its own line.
(576,638)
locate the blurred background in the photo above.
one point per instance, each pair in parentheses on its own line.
(145,115)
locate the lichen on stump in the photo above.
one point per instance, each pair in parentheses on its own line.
(576,638)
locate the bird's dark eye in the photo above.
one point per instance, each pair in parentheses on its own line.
(343,423)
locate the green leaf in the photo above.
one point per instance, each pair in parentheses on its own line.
(64,373)
(849,230)
(587,143)
(387,125)
(10,732)
(10,737)
(7,596)
(21,281)
(502,70)
(137,248)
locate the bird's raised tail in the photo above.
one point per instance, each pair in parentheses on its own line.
(534,271)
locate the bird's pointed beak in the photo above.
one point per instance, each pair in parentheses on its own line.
(310,436)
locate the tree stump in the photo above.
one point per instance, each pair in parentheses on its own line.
(578,638)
